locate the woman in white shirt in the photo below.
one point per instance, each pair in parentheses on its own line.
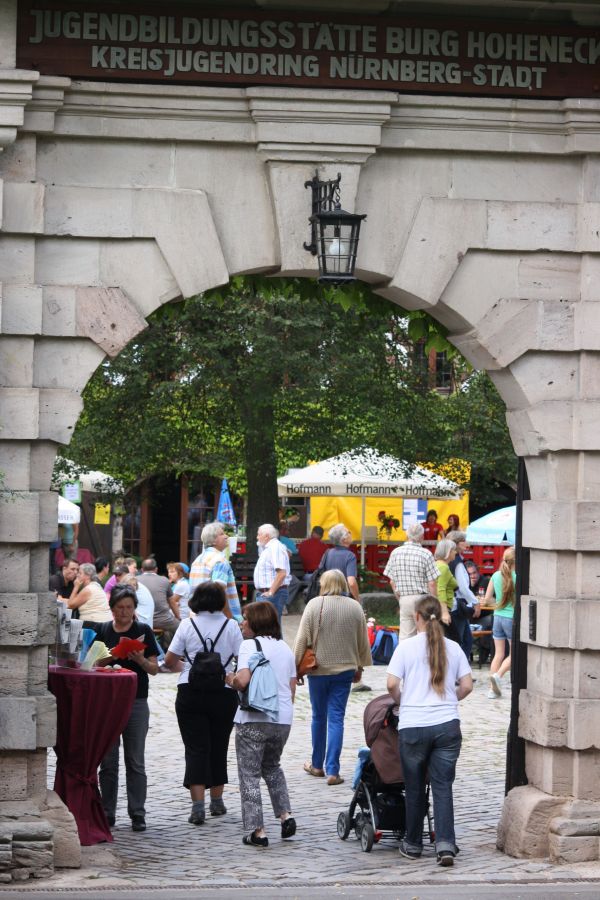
(181,587)
(436,675)
(205,717)
(259,741)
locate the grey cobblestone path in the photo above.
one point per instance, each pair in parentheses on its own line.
(173,852)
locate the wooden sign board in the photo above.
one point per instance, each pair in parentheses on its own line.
(186,43)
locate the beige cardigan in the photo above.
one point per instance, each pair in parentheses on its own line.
(342,640)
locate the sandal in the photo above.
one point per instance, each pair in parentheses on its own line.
(252,840)
(335,779)
(310,769)
(288,828)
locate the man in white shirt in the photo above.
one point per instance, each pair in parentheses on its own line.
(412,572)
(272,571)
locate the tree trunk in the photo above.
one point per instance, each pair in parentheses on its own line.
(261,469)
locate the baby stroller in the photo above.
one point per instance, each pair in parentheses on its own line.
(378,802)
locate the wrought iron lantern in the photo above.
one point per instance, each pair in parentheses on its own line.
(334,232)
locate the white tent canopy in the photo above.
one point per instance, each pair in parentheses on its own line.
(366,473)
(68,513)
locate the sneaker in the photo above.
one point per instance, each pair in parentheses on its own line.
(403,850)
(496,685)
(491,695)
(445,858)
(138,823)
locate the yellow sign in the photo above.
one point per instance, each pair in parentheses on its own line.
(102,514)
(328,511)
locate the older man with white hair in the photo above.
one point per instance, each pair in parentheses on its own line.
(412,572)
(272,571)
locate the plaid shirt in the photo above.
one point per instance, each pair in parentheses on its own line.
(212,565)
(274,556)
(410,568)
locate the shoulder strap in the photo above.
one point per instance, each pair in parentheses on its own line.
(258,647)
(199,635)
(220,632)
(318,625)
(323,560)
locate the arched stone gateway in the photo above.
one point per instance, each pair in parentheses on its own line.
(117,198)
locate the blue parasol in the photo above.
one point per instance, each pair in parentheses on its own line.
(497,527)
(225,513)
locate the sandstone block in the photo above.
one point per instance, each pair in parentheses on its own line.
(14,465)
(550,671)
(20,522)
(48,503)
(43,455)
(554,574)
(60,261)
(21,309)
(546,376)
(141,272)
(18,160)
(532,226)
(13,782)
(38,557)
(67,849)
(37,671)
(573,849)
(583,724)
(16,362)
(17,723)
(46,618)
(17,260)
(523,830)
(13,672)
(122,163)
(107,317)
(14,569)
(550,769)
(543,276)
(66,363)
(542,428)
(45,720)
(59,411)
(565,827)
(543,720)
(19,413)
(24,832)
(37,774)
(23,207)
(556,476)
(583,810)
(18,619)
(590,270)
(58,310)
(89,211)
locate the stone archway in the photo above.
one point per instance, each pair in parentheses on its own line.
(117,199)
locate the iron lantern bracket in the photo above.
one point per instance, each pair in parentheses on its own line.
(325,198)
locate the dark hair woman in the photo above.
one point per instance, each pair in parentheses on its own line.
(123,603)
(205,717)
(436,676)
(260,737)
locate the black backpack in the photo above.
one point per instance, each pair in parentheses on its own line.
(314,585)
(207,672)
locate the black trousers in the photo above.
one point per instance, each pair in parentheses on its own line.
(205,722)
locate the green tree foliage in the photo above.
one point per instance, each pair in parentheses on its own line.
(264,374)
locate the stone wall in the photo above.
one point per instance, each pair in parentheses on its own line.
(119,198)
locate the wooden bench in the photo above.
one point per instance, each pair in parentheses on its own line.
(243,569)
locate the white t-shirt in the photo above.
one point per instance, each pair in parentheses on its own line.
(208,624)
(283,664)
(144,611)
(420,705)
(181,589)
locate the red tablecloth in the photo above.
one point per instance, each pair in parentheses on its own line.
(92,711)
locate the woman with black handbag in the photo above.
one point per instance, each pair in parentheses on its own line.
(205,712)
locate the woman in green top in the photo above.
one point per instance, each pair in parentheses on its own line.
(445,551)
(501,589)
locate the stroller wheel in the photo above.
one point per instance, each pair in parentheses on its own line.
(343,826)
(367,837)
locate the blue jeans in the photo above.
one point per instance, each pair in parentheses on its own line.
(433,749)
(279,600)
(328,698)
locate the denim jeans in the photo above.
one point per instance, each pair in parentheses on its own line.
(328,698)
(279,600)
(432,749)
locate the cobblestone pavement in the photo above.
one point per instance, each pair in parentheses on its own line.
(173,852)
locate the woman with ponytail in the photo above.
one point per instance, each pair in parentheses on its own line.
(501,589)
(436,675)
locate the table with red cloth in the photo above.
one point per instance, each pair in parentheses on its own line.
(93,708)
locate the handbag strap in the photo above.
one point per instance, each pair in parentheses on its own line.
(318,626)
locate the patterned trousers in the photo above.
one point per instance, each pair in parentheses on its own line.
(259,746)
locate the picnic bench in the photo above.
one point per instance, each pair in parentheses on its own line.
(243,568)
